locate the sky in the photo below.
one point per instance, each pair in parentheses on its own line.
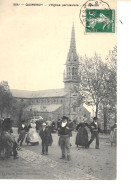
(34,42)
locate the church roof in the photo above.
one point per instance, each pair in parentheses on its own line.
(38,94)
(43,108)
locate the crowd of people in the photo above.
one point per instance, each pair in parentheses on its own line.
(31,133)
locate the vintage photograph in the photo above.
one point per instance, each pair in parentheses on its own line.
(58,89)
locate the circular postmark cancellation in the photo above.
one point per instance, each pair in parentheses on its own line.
(97,16)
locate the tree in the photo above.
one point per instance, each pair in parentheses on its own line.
(112,59)
(18,107)
(111,102)
(6,98)
(96,85)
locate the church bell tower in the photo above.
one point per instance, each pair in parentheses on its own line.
(70,76)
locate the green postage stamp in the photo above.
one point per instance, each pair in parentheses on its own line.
(100,20)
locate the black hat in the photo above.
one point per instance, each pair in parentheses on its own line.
(23,121)
(6,123)
(64,118)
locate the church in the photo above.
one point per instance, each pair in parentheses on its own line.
(54,103)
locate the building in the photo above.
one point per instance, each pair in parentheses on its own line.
(53,104)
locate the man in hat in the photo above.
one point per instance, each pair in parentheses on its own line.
(95,129)
(64,133)
(45,134)
(22,132)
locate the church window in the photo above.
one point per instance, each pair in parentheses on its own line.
(74,109)
(73,71)
(69,70)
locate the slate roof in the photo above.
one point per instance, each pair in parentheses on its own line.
(43,108)
(38,94)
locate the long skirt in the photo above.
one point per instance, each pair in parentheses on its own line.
(82,137)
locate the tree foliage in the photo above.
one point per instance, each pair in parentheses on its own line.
(18,107)
(98,82)
(6,98)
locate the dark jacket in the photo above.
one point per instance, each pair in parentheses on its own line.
(95,128)
(53,124)
(46,133)
(58,124)
(64,130)
(82,125)
(22,129)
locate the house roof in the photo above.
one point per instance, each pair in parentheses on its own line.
(43,108)
(38,94)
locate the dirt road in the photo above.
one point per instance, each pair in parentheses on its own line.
(86,164)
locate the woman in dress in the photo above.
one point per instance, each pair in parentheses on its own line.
(82,135)
(32,135)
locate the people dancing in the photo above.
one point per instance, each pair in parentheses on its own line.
(22,131)
(95,130)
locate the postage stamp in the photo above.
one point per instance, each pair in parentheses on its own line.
(97,16)
(100,20)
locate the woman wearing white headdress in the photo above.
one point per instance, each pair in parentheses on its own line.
(32,136)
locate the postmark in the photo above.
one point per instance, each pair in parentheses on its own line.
(97,16)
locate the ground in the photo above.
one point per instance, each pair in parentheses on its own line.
(85,164)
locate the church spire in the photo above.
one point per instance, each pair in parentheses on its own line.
(72,55)
(71,76)
(73,43)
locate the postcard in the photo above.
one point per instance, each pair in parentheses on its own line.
(58,89)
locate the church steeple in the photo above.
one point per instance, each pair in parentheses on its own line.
(71,77)
(72,55)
